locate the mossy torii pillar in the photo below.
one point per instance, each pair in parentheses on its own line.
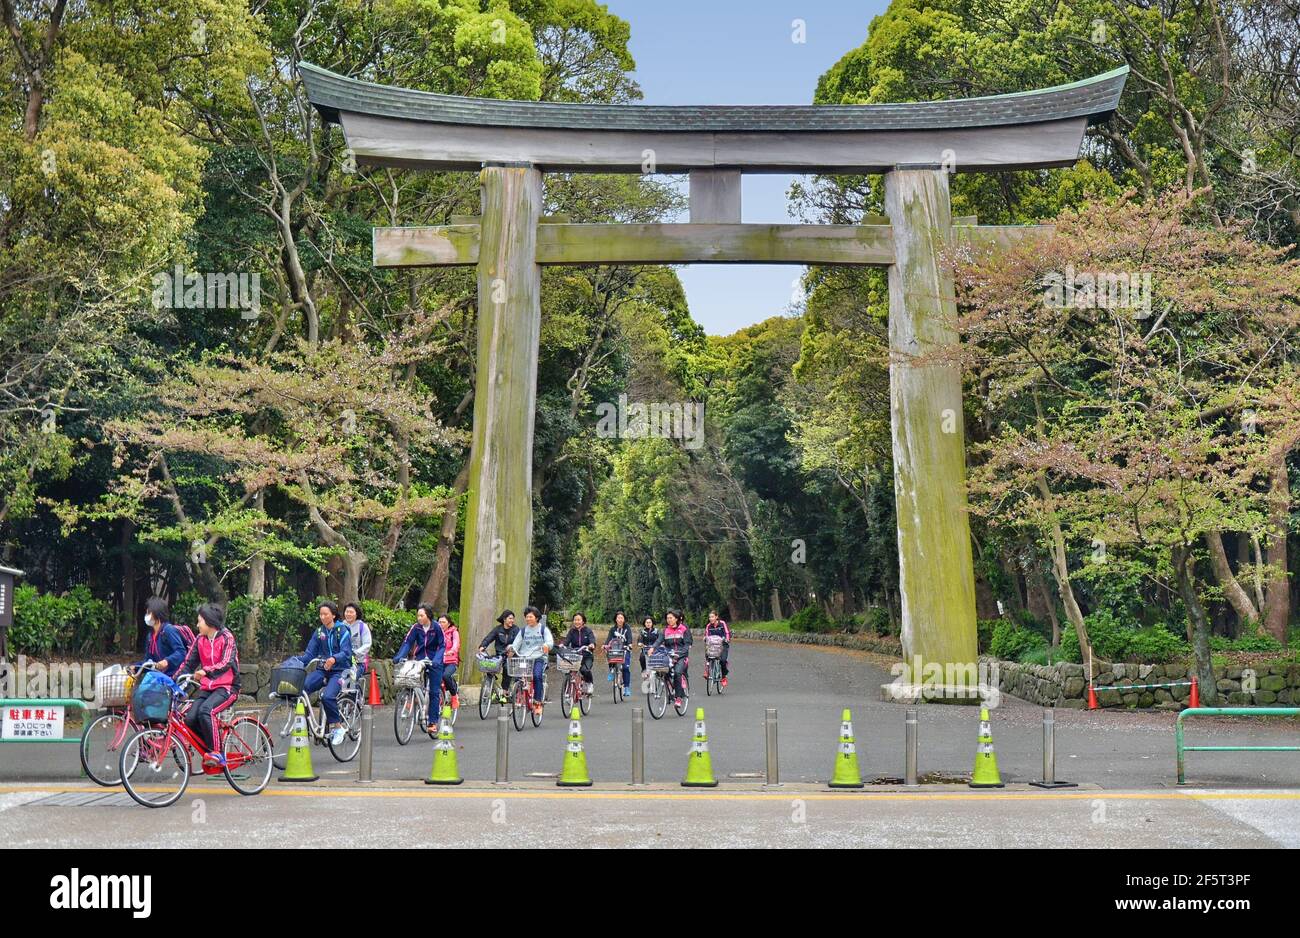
(936,576)
(499,518)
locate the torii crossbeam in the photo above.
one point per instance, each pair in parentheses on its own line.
(916,147)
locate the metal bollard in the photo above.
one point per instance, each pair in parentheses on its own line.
(1049,754)
(910,725)
(638,746)
(503,749)
(773,760)
(366,765)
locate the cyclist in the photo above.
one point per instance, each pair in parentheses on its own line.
(425,643)
(649,637)
(534,640)
(500,638)
(332,642)
(676,638)
(450,657)
(717,627)
(362,638)
(165,646)
(581,638)
(214,661)
(623,632)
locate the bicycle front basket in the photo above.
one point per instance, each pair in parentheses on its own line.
(489,665)
(520,667)
(567,660)
(409,674)
(713,646)
(658,661)
(113,688)
(287,681)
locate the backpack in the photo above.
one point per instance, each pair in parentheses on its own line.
(187,636)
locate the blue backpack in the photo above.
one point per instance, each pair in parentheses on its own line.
(152,700)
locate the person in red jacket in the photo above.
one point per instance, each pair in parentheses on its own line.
(214,660)
(717,628)
(450,657)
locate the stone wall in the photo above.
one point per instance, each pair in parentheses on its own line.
(882,644)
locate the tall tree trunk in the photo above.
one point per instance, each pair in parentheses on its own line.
(437,587)
(1278,596)
(1061,573)
(776,605)
(128,627)
(1233,591)
(256,591)
(1200,625)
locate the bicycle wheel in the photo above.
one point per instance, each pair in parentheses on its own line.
(404,715)
(535,714)
(686,698)
(658,696)
(350,717)
(487,689)
(708,680)
(247,747)
(155,768)
(520,706)
(617,685)
(567,695)
(278,720)
(101,745)
(584,699)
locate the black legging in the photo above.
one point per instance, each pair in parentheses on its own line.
(202,714)
(676,675)
(584,667)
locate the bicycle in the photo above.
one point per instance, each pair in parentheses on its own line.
(520,672)
(155,763)
(569,661)
(103,737)
(412,703)
(614,656)
(660,664)
(489,692)
(288,693)
(713,666)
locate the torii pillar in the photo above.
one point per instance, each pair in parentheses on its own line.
(936,575)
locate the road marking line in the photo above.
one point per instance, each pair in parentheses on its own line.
(727,796)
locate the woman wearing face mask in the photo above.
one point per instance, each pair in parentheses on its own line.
(164,646)
(450,657)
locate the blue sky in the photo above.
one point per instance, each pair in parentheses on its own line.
(729,52)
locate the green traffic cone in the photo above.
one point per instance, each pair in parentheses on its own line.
(444,770)
(297,765)
(985,773)
(574,773)
(846,774)
(699,766)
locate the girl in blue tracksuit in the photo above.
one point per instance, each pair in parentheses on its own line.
(425,643)
(333,643)
(165,646)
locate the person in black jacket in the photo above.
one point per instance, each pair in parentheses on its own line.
(649,635)
(500,638)
(622,632)
(581,638)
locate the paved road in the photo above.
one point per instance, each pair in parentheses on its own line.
(414,815)
(809,686)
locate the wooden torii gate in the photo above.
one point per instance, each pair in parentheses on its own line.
(916,146)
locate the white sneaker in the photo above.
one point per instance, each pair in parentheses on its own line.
(337,737)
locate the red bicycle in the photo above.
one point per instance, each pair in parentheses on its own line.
(155,763)
(103,737)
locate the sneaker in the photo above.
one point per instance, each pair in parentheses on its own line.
(609,678)
(627,691)
(215,759)
(537,708)
(337,737)
(587,689)
(724,682)
(455,702)
(677,701)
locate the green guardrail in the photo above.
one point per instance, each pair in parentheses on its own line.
(1227,712)
(31,703)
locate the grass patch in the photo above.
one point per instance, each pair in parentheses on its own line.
(769,626)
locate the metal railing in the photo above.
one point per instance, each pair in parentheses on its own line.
(1180,748)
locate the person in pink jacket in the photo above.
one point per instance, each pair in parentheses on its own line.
(450,658)
(214,660)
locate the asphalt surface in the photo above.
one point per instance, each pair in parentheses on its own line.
(809,686)
(414,815)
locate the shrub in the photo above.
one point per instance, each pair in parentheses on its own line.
(877,620)
(811,618)
(984,633)
(1009,641)
(45,623)
(1155,644)
(1113,641)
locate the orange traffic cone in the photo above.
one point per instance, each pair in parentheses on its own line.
(1092,698)
(1195,700)
(375,699)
